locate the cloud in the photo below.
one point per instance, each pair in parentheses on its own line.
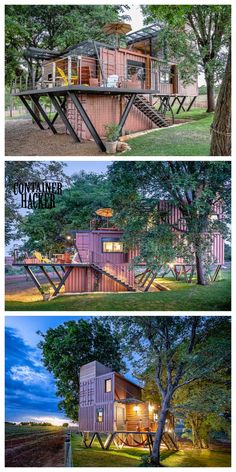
(30,389)
(27,375)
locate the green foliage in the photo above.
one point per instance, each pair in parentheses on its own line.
(112,131)
(53,27)
(26,171)
(196,35)
(227,252)
(69,346)
(46,230)
(185,360)
(192,187)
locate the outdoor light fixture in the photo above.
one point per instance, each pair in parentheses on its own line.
(150,407)
(68,237)
(136,408)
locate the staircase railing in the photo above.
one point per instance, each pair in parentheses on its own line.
(120,271)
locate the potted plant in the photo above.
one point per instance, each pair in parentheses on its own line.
(112,131)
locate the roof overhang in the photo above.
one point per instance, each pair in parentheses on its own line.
(147,32)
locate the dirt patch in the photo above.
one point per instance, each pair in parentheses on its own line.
(23,138)
(47,451)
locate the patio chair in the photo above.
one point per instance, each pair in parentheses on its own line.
(41,258)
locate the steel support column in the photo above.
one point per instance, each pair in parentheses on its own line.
(79,107)
(62,103)
(34,116)
(191,103)
(48,277)
(43,113)
(62,282)
(63,116)
(181,103)
(126,111)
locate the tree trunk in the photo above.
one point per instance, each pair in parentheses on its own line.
(155,456)
(198,442)
(221,127)
(210,95)
(201,280)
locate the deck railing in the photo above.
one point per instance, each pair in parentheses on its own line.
(90,71)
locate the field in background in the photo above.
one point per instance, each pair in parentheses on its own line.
(34,446)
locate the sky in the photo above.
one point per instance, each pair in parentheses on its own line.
(30,392)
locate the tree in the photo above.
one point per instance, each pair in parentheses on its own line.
(26,171)
(205,407)
(46,230)
(53,27)
(69,346)
(193,187)
(182,350)
(221,126)
(197,34)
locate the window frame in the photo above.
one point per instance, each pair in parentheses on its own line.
(109,381)
(99,418)
(112,240)
(164,71)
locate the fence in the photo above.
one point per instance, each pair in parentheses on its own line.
(68,451)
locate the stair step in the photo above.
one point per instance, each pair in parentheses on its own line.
(113,277)
(144,106)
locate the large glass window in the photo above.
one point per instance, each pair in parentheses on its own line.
(112,245)
(108,385)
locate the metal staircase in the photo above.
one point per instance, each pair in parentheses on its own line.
(150,111)
(169,442)
(113,277)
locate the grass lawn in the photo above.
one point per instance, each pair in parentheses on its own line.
(182,297)
(190,139)
(131,457)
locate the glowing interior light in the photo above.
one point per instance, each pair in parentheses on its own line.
(136,408)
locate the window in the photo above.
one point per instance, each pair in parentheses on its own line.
(112,245)
(99,414)
(108,385)
(165,75)
(136,70)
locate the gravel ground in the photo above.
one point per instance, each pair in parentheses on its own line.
(23,138)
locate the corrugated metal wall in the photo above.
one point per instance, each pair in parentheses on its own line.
(103,110)
(84,279)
